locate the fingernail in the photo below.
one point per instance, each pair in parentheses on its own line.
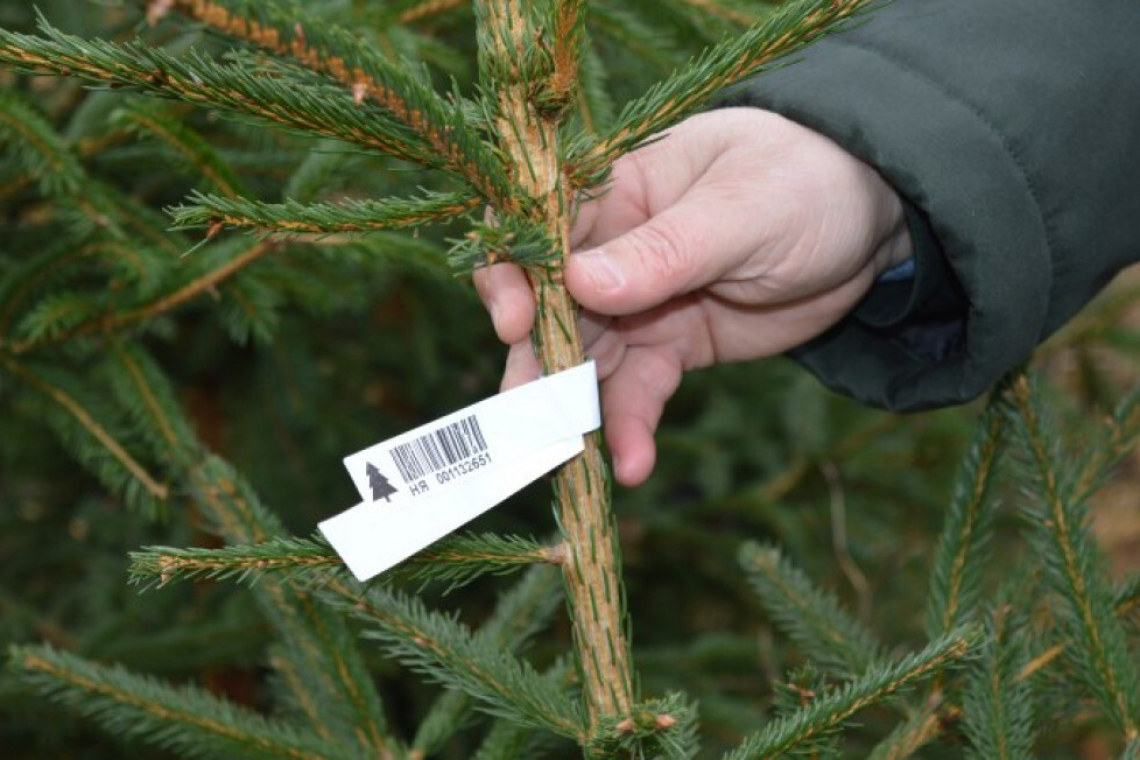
(602,270)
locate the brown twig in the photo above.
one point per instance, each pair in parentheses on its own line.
(590,563)
(429,8)
(293,43)
(714,8)
(130,464)
(847,564)
(116,320)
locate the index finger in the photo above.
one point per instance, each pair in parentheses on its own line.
(506,293)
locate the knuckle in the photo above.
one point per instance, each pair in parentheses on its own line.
(662,251)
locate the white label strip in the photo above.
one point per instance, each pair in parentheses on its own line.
(423,484)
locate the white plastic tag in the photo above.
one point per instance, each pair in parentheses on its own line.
(424,484)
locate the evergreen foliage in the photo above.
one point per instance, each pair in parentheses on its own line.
(956,578)
(998,703)
(186,720)
(811,618)
(1094,637)
(880,681)
(165,381)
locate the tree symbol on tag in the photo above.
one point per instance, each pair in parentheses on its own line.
(381,488)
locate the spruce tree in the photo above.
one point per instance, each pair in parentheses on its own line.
(101,308)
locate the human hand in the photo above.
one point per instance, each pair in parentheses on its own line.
(739,235)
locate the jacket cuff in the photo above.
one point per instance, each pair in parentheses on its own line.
(931,291)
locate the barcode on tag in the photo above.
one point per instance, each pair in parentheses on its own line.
(432,452)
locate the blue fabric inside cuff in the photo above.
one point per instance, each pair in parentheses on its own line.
(901,273)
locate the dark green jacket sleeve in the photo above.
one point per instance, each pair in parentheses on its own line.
(1011,128)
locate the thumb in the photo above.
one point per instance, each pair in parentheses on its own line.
(674,252)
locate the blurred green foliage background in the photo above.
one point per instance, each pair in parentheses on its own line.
(326,346)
